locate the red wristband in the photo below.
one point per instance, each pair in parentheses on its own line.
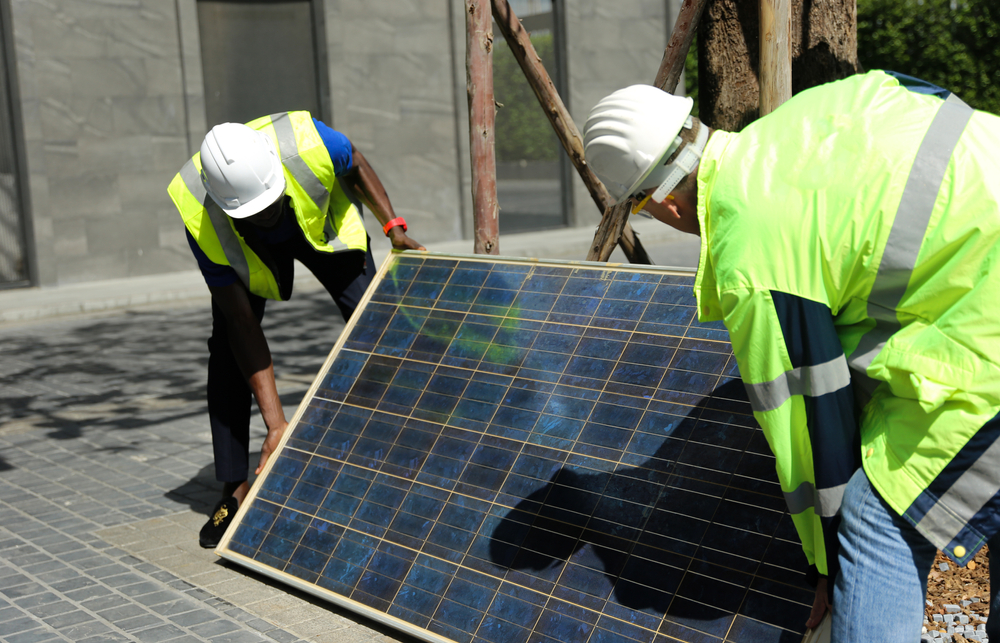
(392,224)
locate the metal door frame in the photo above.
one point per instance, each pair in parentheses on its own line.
(20,158)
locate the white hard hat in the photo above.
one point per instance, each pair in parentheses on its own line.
(241,169)
(628,135)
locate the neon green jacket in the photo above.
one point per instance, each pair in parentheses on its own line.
(328,218)
(853,235)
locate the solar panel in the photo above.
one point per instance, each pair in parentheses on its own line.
(503,450)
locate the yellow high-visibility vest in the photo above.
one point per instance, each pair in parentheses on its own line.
(329,220)
(879,208)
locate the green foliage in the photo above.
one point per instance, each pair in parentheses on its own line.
(691,73)
(522,129)
(951,43)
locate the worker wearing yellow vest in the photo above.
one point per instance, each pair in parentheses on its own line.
(254,199)
(849,242)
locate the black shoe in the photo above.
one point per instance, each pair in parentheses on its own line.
(216,526)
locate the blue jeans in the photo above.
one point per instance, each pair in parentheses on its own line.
(880,591)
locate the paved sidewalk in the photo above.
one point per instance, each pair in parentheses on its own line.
(106,477)
(106,462)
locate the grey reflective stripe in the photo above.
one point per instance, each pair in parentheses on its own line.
(825,502)
(953,98)
(220,222)
(805,380)
(909,228)
(963,500)
(289,150)
(828,500)
(801,499)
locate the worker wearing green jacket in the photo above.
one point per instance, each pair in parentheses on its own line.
(849,242)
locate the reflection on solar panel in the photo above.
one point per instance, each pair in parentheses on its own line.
(513,451)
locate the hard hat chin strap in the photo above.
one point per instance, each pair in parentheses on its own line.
(683,164)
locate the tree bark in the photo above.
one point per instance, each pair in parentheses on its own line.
(824,48)
(482,132)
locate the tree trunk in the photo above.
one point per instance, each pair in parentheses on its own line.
(482,118)
(824,48)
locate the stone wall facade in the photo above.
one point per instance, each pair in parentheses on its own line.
(112,104)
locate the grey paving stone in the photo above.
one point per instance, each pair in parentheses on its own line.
(194,617)
(67,619)
(70,584)
(45,566)
(105,602)
(92,562)
(58,575)
(239,614)
(174,607)
(15,579)
(214,628)
(112,637)
(156,597)
(122,580)
(86,630)
(162,576)
(260,624)
(198,594)
(84,593)
(107,571)
(34,636)
(140,622)
(238,637)
(140,588)
(51,609)
(36,599)
(22,624)
(23,589)
(25,560)
(282,636)
(122,612)
(159,633)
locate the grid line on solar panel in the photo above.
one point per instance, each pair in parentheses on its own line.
(415,435)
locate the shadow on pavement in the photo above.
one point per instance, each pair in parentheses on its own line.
(141,368)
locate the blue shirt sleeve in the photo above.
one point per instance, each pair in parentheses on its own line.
(339,147)
(214,274)
(919,86)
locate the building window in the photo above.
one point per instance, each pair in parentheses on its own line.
(532,169)
(259,57)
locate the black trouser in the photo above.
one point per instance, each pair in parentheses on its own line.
(345,275)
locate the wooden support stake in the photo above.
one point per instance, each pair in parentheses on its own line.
(555,110)
(672,65)
(482,117)
(615,220)
(775,54)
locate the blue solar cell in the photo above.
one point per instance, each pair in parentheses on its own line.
(510,450)
(562,627)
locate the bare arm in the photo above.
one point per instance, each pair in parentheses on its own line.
(369,188)
(249,346)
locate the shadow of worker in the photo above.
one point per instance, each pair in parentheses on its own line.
(628,537)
